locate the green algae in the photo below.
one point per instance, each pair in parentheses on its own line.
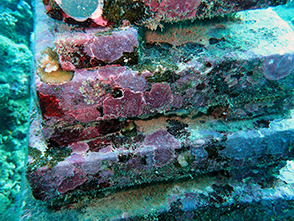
(164,76)
(117,11)
(54,153)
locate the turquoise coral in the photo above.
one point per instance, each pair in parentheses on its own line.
(16,19)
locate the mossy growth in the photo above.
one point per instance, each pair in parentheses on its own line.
(104,33)
(129,128)
(165,69)
(54,152)
(117,11)
(128,58)
(177,128)
(145,65)
(163,76)
(39,160)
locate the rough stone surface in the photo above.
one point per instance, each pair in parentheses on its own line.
(161,149)
(211,70)
(209,99)
(150,13)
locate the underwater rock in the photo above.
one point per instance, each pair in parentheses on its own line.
(196,101)
(213,70)
(149,13)
(153,154)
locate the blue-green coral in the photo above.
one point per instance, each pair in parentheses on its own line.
(16,24)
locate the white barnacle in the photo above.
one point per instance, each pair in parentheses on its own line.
(183,159)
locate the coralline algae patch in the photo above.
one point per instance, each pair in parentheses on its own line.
(102,99)
(170,10)
(98,48)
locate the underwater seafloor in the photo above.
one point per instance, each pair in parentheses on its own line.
(17,203)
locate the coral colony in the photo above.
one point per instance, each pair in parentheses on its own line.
(139,92)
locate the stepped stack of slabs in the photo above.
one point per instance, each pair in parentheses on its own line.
(120,104)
